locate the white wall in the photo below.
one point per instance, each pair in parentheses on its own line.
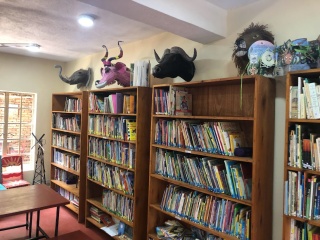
(34,75)
(286,19)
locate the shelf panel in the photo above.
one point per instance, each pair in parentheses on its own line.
(112,163)
(184,150)
(113,114)
(94,222)
(97,203)
(307,121)
(220,118)
(65,112)
(65,168)
(72,208)
(66,150)
(65,131)
(110,138)
(186,185)
(112,189)
(219,234)
(69,187)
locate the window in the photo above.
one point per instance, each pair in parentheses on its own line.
(17,123)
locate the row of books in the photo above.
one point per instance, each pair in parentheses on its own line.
(215,213)
(305,99)
(66,122)
(121,153)
(302,195)
(139,73)
(212,137)
(304,147)
(123,128)
(73,105)
(64,176)
(173,229)
(303,231)
(65,193)
(96,213)
(66,141)
(67,160)
(75,201)
(111,176)
(118,204)
(217,175)
(113,103)
(175,101)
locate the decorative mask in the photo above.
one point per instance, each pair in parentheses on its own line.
(113,72)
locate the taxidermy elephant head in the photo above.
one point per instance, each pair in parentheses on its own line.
(173,63)
(80,77)
(250,35)
(113,72)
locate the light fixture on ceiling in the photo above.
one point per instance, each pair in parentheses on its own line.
(32,47)
(85,20)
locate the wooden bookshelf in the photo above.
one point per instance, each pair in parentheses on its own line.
(63,155)
(296,218)
(117,157)
(250,102)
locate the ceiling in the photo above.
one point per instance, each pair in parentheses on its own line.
(53,23)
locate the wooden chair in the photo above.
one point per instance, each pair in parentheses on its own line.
(12,172)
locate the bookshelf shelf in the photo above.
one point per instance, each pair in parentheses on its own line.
(118,144)
(301,164)
(181,184)
(70,111)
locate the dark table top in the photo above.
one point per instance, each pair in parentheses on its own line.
(30,198)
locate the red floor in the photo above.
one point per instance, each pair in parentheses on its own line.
(67,223)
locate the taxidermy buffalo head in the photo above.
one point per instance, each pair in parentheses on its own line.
(251,34)
(173,63)
(80,77)
(113,72)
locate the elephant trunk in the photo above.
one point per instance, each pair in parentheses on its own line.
(64,79)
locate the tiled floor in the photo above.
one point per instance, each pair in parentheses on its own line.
(67,223)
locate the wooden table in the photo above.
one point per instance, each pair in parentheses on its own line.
(28,200)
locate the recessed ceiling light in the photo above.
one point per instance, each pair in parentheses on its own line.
(85,20)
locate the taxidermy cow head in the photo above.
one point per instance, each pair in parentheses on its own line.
(251,34)
(173,63)
(113,72)
(80,77)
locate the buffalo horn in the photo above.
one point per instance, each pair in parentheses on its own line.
(157,57)
(183,53)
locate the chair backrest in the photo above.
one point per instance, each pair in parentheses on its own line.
(12,168)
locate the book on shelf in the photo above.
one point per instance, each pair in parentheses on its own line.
(132,104)
(111,230)
(106,219)
(140,73)
(227,129)
(95,213)
(171,100)
(183,103)
(293,103)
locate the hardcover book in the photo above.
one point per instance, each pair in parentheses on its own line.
(183,103)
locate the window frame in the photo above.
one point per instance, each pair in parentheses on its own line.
(4,138)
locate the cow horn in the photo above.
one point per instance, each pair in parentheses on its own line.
(157,57)
(183,53)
